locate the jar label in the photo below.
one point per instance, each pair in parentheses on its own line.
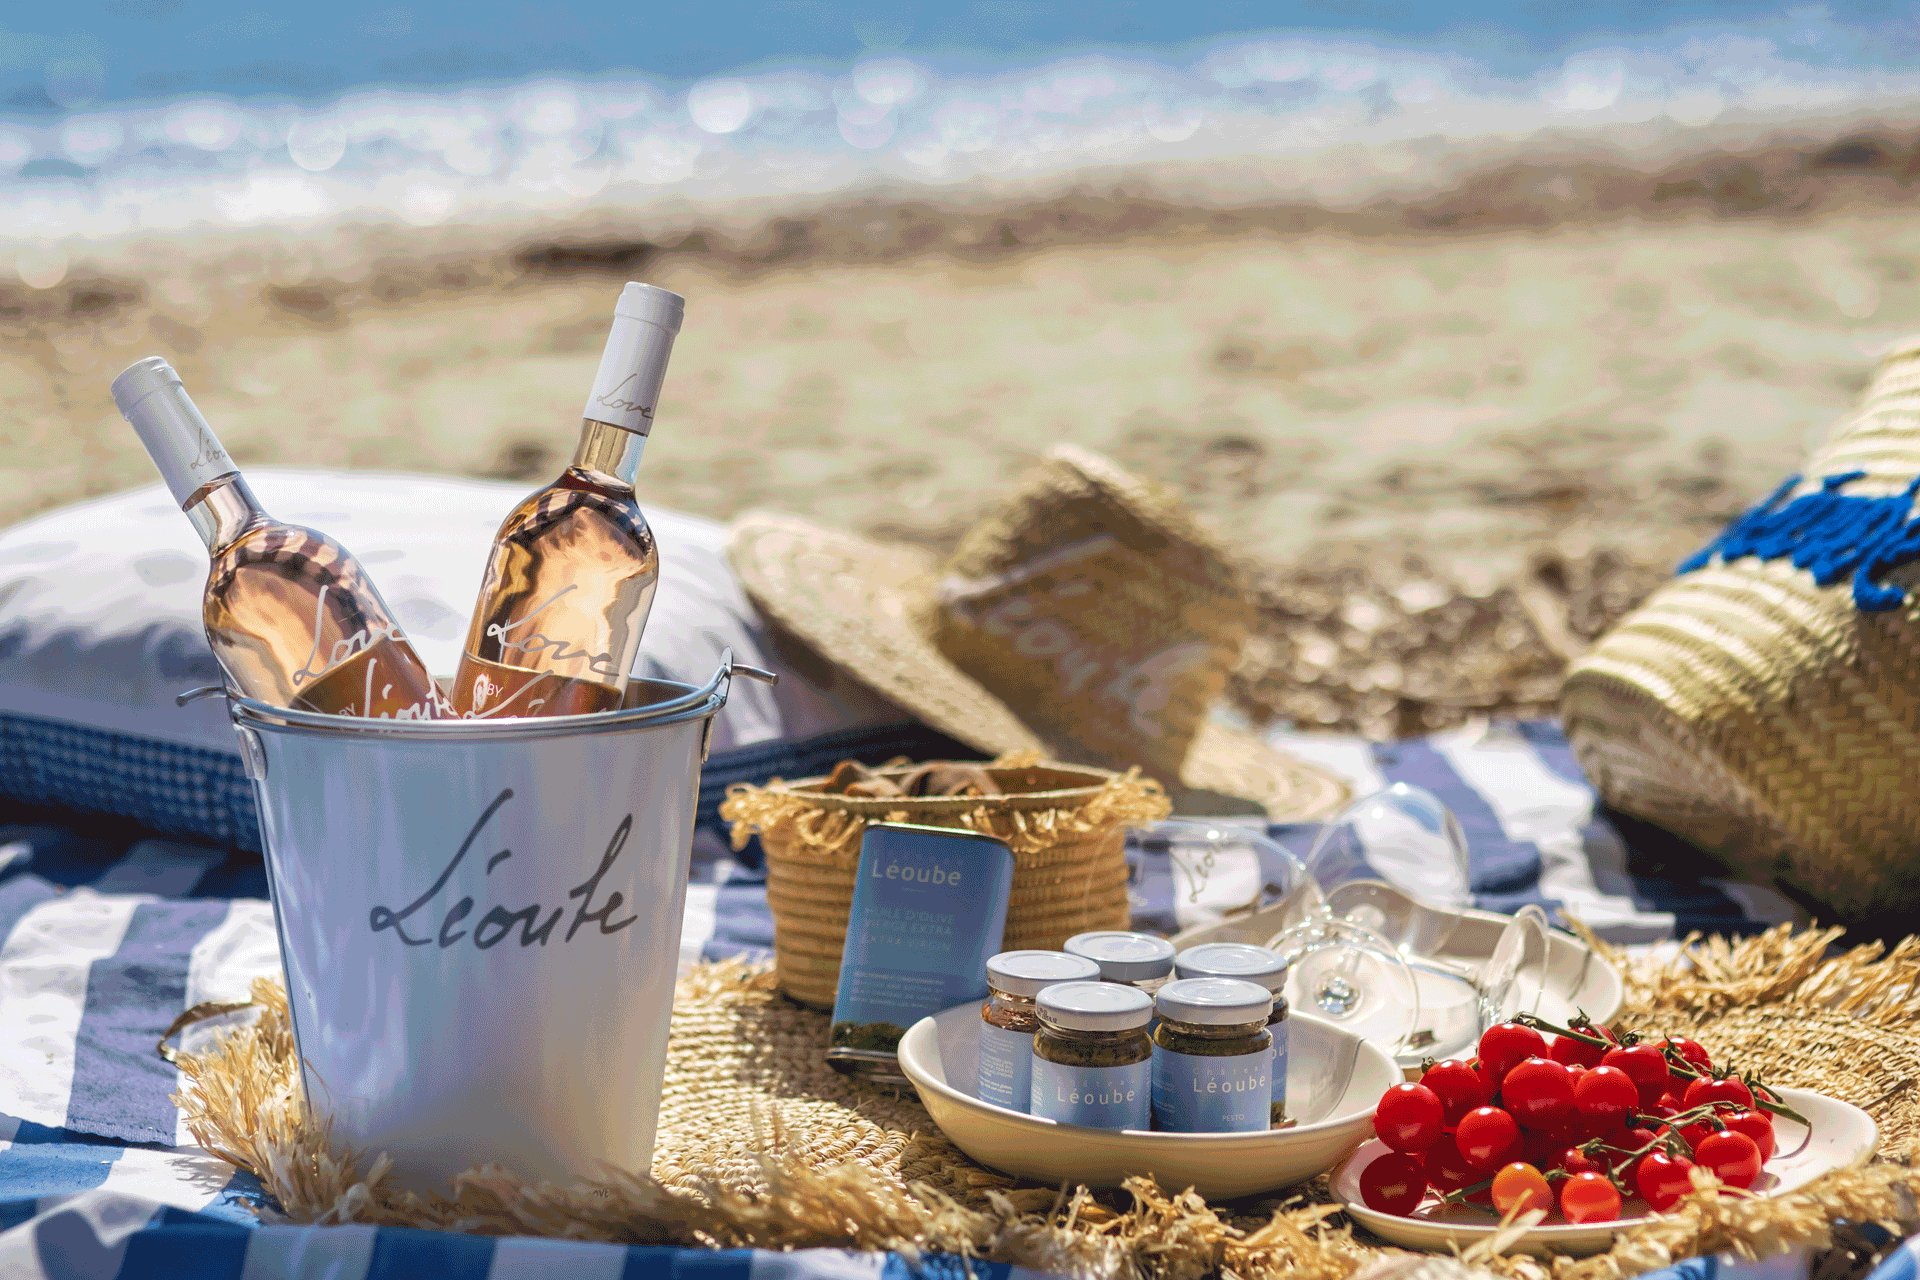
(928,909)
(1097,1097)
(1193,1093)
(1006,1067)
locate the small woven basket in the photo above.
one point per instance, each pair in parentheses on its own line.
(1766,704)
(1066,826)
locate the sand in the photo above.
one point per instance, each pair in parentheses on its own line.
(1512,402)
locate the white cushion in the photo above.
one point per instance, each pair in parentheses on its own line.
(100,604)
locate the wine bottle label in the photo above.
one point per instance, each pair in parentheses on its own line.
(635,362)
(485,690)
(378,681)
(1198,1094)
(1006,1067)
(1097,1097)
(184,448)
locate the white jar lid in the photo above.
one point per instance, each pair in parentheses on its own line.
(1213,1002)
(1233,960)
(1094,1006)
(1124,957)
(1027,973)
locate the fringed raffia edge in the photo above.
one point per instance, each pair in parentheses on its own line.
(242,1103)
(806,830)
(1714,975)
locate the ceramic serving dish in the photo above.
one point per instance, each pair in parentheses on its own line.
(1576,978)
(1334,1080)
(1842,1136)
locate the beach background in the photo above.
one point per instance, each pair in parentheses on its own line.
(1462,338)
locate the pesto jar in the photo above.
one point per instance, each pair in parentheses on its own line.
(1008,1020)
(1137,959)
(1092,1057)
(1212,1057)
(1251,964)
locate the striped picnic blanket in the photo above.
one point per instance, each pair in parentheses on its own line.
(106,935)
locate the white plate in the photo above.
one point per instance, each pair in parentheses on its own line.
(1843,1135)
(1577,980)
(1334,1081)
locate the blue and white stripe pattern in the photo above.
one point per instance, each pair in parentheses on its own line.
(106,934)
(101,1235)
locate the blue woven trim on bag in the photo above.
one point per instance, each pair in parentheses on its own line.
(1830,534)
(170,789)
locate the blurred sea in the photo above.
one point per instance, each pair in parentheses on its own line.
(1284,117)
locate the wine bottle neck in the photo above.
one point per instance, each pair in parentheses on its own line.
(606,451)
(223,510)
(634,364)
(183,447)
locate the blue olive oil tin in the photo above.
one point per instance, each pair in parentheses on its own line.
(929,906)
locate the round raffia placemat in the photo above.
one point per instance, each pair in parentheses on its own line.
(761,1145)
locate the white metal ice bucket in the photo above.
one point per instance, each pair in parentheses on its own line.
(480,923)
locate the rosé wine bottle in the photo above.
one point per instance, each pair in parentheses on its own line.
(571,576)
(291,615)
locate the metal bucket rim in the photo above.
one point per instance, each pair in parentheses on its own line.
(697,702)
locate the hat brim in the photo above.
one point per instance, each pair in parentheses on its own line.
(854,602)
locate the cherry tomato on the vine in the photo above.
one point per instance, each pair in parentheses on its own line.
(1542,1148)
(1393,1183)
(1734,1157)
(1644,1066)
(1706,1089)
(1539,1093)
(1505,1046)
(1458,1086)
(1409,1117)
(1692,1134)
(1756,1125)
(1589,1197)
(1572,1052)
(1574,1160)
(1521,1186)
(1624,1144)
(1605,1095)
(1489,1086)
(1662,1179)
(1692,1052)
(1447,1169)
(1488,1137)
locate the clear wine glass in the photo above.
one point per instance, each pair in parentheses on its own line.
(1337,969)
(1400,838)
(1396,862)
(1352,977)
(1391,871)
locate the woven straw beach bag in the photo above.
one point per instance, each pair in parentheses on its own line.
(1066,826)
(1765,704)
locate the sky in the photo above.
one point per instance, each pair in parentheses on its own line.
(65,57)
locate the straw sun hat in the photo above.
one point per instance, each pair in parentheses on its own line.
(1086,616)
